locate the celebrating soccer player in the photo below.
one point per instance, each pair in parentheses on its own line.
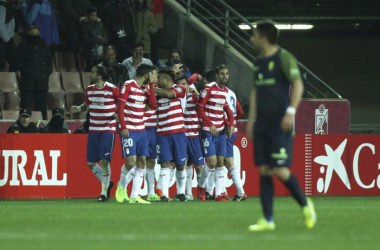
(101,100)
(130,110)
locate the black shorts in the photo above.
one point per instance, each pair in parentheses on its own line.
(272,146)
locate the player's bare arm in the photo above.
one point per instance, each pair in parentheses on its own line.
(287,121)
(164,93)
(251,114)
(80,108)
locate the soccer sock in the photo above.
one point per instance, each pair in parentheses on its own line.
(211,182)
(235,175)
(150,181)
(158,186)
(219,179)
(295,189)
(205,173)
(198,178)
(171,173)
(123,177)
(266,196)
(138,179)
(165,181)
(106,175)
(97,171)
(181,181)
(224,190)
(189,180)
(130,175)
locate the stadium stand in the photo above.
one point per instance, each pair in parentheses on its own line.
(65,61)
(75,99)
(85,79)
(55,82)
(71,82)
(10,100)
(8,82)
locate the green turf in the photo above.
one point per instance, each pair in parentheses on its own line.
(343,223)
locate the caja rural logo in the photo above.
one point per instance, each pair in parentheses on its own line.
(332,162)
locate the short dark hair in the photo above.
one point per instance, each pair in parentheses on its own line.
(103,72)
(91,9)
(209,74)
(181,78)
(168,72)
(219,67)
(137,44)
(144,69)
(267,29)
(176,51)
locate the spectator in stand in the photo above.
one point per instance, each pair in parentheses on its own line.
(34,61)
(23,124)
(41,14)
(174,58)
(83,129)
(93,38)
(56,124)
(62,30)
(117,19)
(72,11)
(99,3)
(7,44)
(136,59)
(120,71)
(145,24)
(157,8)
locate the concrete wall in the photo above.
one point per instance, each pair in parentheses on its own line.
(202,49)
(349,63)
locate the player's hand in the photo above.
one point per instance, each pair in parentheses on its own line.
(125,133)
(116,117)
(287,122)
(74,109)
(152,77)
(230,131)
(177,67)
(213,130)
(249,130)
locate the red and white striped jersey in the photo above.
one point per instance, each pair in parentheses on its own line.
(134,107)
(102,106)
(213,100)
(170,112)
(191,116)
(150,117)
(233,103)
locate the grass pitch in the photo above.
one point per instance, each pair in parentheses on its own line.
(343,223)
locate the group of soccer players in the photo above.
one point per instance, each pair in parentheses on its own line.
(163,117)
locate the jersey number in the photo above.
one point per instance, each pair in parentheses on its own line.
(128,142)
(233,103)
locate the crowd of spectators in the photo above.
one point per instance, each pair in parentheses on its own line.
(118,34)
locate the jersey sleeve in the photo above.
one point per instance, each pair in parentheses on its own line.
(203,97)
(115,92)
(123,94)
(290,66)
(179,91)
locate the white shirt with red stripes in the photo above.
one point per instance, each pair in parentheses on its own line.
(191,116)
(134,109)
(102,106)
(170,112)
(150,116)
(233,102)
(213,100)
